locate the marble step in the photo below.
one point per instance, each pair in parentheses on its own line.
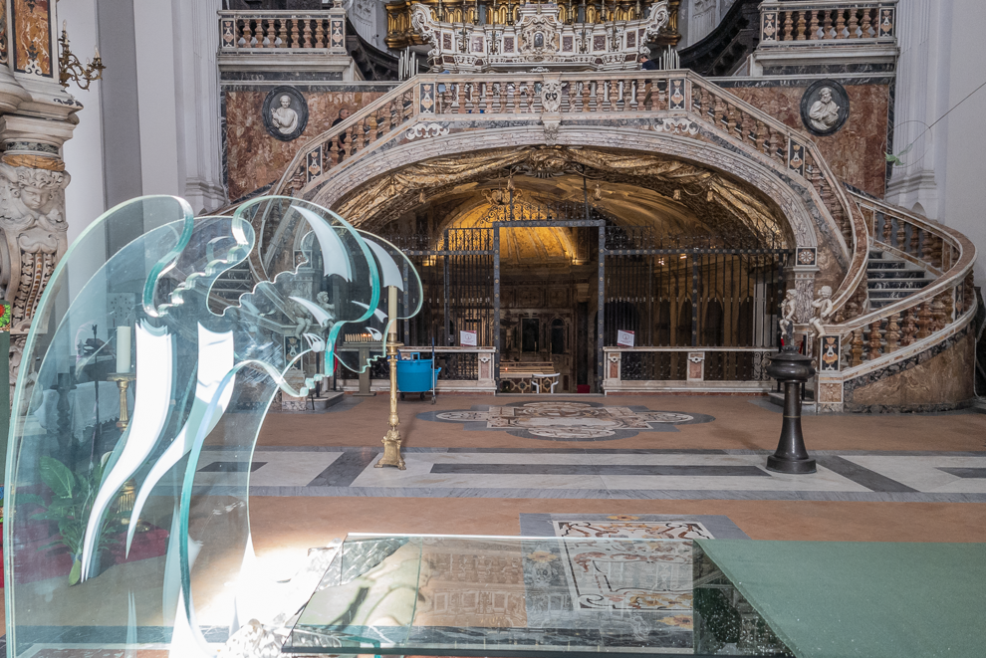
(897,284)
(886,265)
(894,274)
(890,294)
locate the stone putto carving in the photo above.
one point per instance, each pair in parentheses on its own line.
(823,307)
(789,309)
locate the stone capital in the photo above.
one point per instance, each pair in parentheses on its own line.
(22,135)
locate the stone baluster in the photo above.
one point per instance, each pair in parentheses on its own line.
(915,249)
(813,26)
(641,94)
(925,321)
(840,23)
(927,247)
(513,97)
(857,347)
(319,33)
(893,332)
(948,299)
(801,26)
(901,235)
(867,26)
(876,342)
(788,25)
(730,116)
(910,326)
(853,23)
(888,228)
(777,145)
(372,123)
(307,32)
(385,118)
(938,251)
(295,41)
(247,33)
(938,321)
(283,32)
(827,27)
(757,134)
(334,151)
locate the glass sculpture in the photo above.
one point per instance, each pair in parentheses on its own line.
(152,345)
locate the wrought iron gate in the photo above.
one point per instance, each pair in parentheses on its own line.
(672,296)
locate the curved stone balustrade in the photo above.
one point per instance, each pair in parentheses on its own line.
(923,319)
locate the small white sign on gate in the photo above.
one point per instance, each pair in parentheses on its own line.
(467,338)
(624,338)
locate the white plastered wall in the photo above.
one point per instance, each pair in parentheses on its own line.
(176,144)
(940,64)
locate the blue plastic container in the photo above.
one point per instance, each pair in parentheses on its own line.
(416,376)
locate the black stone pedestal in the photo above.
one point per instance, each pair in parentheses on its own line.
(792,370)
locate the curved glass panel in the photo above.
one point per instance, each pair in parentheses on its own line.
(334,264)
(150,350)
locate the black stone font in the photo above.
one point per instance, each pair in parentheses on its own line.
(792,370)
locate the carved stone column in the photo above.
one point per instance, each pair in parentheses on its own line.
(32,229)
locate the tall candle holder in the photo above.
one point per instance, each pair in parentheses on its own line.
(392,440)
(122,380)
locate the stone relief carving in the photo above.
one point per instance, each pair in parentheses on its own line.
(31,202)
(424,130)
(824,107)
(283,117)
(285,113)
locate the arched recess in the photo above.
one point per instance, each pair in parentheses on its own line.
(809,224)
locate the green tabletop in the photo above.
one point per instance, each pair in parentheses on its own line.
(863,600)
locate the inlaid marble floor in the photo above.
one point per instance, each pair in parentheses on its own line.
(601,473)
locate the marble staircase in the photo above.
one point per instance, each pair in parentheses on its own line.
(890,279)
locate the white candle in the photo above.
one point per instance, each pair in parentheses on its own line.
(123,349)
(392,312)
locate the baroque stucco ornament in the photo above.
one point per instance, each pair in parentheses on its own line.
(31,202)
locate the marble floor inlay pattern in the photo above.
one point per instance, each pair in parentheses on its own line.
(566,420)
(597,473)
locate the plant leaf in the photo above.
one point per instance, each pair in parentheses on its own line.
(57,477)
(30,499)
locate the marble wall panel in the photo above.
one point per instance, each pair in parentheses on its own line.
(255,158)
(942,381)
(32,37)
(857,152)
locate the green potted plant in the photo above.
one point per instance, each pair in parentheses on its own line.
(72,498)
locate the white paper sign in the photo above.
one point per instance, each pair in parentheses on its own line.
(467,338)
(624,338)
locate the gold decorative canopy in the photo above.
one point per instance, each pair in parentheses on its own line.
(401,34)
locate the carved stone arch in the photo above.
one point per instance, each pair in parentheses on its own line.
(805,220)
